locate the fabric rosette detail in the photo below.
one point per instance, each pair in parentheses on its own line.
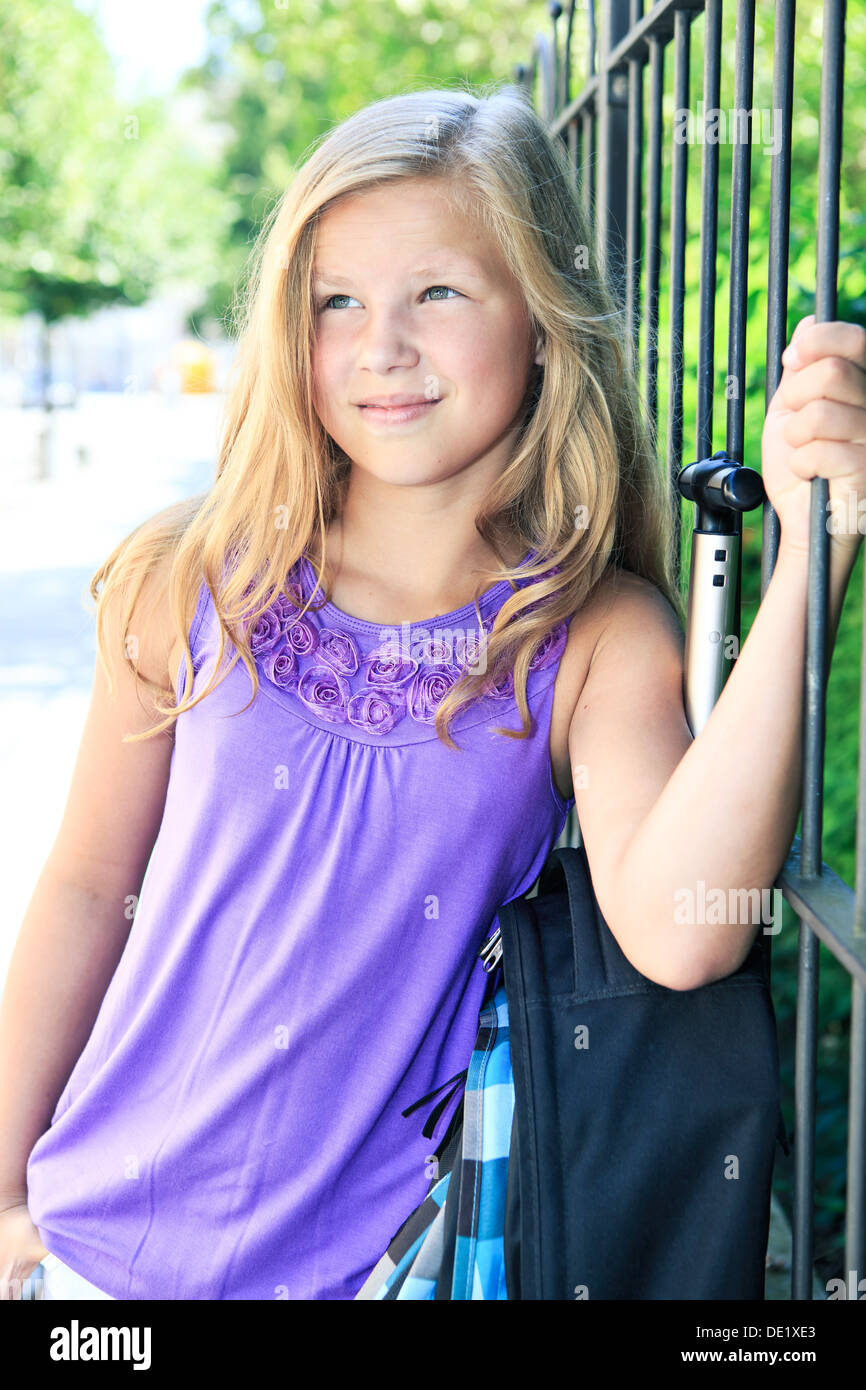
(265,632)
(428,688)
(548,650)
(302,637)
(273,621)
(287,608)
(470,651)
(325,692)
(385,666)
(437,651)
(500,689)
(281,667)
(378,709)
(343,681)
(338,649)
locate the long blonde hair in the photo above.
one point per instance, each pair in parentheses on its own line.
(584,487)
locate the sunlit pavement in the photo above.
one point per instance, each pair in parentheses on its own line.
(117,460)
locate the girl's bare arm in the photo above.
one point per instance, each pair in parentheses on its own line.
(665,817)
(78,918)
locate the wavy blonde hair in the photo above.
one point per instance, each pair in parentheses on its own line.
(584,448)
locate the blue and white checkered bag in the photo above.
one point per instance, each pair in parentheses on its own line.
(452,1245)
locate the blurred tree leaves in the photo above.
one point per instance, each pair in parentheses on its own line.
(279,75)
(99,203)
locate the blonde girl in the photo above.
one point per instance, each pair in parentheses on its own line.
(344,702)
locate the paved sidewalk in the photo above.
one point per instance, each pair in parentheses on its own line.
(142,453)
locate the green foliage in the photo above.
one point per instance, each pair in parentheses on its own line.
(279,76)
(99,203)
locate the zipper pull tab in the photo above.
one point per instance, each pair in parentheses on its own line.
(491,951)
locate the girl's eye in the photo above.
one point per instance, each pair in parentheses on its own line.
(326,303)
(442,287)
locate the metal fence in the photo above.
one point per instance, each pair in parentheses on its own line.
(606,130)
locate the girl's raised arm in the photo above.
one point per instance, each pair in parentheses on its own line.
(686,837)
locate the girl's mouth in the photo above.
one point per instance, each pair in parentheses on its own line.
(398,414)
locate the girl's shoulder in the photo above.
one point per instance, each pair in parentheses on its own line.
(146,632)
(621,597)
(133,604)
(621,603)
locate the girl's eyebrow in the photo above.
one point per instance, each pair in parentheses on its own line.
(470,268)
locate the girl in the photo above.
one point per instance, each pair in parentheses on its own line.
(440,546)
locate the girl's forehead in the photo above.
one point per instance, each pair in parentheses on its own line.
(403,204)
(404,218)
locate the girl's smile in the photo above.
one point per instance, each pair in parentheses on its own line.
(392,415)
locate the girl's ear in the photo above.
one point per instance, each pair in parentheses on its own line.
(539,352)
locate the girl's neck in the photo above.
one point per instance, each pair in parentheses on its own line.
(354,589)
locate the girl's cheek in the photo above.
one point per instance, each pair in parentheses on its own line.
(322,376)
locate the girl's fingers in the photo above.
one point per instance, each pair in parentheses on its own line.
(829,378)
(800,328)
(832,338)
(828,458)
(825,419)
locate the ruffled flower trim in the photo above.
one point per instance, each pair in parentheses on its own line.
(375,689)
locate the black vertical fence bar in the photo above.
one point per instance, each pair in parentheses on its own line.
(565,71)
(777,265)
(653,230)
(612,140)
(563,65)
(709,230)
(780,226)
(677,267)
(827,256)
(588,161)
(633,213)
(741,168)
(546,60)
(806,1038)
(588,122)
(558,60)
(573,152)
(576,150)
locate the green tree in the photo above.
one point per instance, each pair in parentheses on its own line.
(99,204)
(279,76)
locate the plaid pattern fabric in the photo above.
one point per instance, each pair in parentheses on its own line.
(452,1245)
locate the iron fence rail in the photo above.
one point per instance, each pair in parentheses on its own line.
(605,130)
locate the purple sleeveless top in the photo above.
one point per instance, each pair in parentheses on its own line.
(302,964)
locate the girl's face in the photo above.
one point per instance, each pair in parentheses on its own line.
(414,300)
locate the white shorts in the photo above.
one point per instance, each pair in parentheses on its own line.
(60,1282)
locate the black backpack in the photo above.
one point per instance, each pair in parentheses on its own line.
(645,1118)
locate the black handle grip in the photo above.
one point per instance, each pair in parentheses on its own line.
(722,489)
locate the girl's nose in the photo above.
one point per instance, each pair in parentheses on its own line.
(386,340)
